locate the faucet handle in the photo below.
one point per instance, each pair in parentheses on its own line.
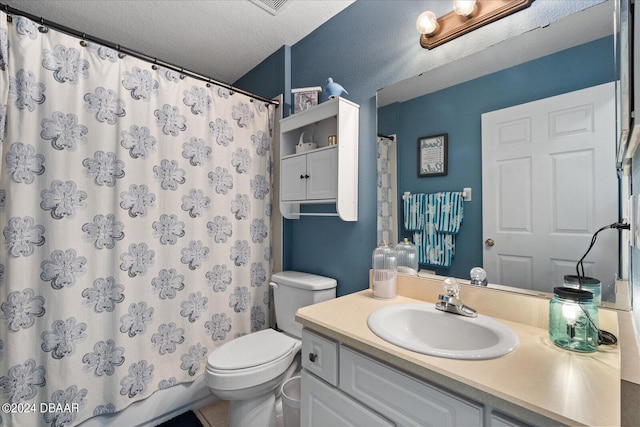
(478,276)
(451,287)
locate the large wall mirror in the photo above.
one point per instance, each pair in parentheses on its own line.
(470,100)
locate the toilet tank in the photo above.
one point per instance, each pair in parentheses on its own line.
(293,290)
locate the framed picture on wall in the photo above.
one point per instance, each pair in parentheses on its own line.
(432,155)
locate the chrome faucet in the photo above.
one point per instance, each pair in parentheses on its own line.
(451,302)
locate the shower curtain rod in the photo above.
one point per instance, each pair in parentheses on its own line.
(155,61)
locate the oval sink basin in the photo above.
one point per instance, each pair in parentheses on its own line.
(424,329)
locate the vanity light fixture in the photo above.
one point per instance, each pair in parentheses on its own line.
(467,15)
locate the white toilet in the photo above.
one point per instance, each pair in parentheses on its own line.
(249,370)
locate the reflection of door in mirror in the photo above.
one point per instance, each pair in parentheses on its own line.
(457,109)
(387,194)
(547,167)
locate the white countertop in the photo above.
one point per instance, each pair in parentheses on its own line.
(537,379)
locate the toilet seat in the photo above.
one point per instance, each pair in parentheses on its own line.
(251,360)
(251,350)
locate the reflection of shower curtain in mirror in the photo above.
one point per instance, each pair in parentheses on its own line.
(134,215)
(387,196)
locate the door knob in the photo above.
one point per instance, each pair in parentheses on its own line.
(489,242)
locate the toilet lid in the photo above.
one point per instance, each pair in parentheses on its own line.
(251,350)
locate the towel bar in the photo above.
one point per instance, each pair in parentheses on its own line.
(466,194)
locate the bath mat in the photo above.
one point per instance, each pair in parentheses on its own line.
(187,419)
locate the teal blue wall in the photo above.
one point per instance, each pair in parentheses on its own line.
(272,77)
(456,111)
(369,45)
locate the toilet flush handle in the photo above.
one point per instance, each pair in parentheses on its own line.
(273,285)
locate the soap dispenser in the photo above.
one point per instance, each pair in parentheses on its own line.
(385,266)
(407,257)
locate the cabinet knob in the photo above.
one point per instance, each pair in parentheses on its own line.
(313,357)
(306,176)
(301,176)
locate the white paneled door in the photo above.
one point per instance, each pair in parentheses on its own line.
(548,183)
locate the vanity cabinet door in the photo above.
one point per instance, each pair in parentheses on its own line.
(403,399)
(322,405)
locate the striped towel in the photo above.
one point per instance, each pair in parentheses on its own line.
(435,219)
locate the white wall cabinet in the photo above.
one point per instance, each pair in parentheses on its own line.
(312,176)
(328,174)
(342,387)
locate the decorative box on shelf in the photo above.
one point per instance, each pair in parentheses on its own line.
(305,98)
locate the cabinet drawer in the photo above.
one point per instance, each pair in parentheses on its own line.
(320,356)
(322,405)
(402,399)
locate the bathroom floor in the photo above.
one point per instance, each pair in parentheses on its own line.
(215,415)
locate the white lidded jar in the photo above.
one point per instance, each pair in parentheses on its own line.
(407,257)
(385,267)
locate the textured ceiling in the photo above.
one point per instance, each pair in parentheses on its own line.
(221,39)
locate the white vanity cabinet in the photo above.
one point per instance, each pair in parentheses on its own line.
(327,174)
(370,393)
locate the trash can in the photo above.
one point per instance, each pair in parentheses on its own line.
(291,402)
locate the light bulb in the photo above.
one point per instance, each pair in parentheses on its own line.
(570,312)
(464,7)
(427,23)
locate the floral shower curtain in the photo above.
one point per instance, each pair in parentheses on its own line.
(386,191)
(134,211)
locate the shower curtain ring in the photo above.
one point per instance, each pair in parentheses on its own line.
(42,28)
(155,64)
(83,42)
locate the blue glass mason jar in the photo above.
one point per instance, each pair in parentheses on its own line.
(573,320)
